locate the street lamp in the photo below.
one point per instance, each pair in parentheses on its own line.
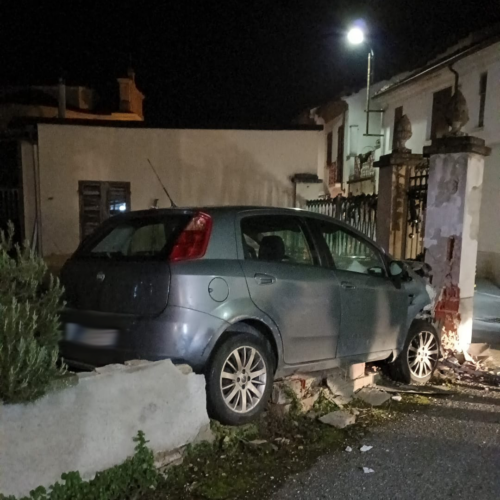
(356,36)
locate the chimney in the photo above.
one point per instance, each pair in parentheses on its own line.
(130,96)
(62,98)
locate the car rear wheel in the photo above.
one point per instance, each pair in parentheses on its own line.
(419,356)
(240,378)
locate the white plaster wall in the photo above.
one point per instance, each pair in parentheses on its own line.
(199,167)
(90,427)
(488,261)
(356,120)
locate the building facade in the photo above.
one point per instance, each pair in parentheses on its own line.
(76,174)
(422,95)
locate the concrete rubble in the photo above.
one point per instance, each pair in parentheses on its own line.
(301,391)
(373,397)
(472,365)
(339,419)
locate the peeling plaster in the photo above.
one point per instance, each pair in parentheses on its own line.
(451,233)
(473,210)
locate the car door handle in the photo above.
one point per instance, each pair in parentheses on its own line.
(264,279)
(347,285)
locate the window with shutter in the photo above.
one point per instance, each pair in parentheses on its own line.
(329,148)
(99,201)
(439,126)
(340,154)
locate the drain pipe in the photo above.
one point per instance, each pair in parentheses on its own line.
(457,76)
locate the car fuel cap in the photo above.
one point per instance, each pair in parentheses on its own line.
(218,289)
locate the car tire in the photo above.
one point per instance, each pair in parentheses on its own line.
(418,359)
(238,399)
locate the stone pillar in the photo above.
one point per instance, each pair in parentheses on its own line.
(392,191)
(451,230)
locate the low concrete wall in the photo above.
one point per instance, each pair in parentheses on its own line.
(90,427)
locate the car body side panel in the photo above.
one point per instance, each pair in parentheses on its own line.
(202,286)
(374,313)
(302,300)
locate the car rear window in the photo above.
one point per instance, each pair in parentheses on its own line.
(137,238)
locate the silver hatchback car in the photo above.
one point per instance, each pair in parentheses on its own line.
(244,295)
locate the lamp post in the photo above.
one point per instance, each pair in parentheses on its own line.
(356,36)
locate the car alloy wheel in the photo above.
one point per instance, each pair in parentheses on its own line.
(423,354)
(243,379)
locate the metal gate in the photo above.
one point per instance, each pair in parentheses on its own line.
(416,204)
(358,211)
(10,209)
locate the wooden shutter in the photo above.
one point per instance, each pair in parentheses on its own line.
(99,201)
(329,146)
(340,154)
(398,114)
(440,101)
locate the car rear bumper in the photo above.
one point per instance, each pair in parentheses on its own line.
(180,334)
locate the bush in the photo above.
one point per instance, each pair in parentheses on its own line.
(30,300)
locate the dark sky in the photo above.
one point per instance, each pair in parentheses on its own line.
(213,62)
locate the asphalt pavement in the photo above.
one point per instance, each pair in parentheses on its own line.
(449,451)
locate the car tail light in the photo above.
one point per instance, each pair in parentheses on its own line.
(193,241)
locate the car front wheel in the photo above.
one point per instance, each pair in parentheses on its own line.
(419,357)
(240,378)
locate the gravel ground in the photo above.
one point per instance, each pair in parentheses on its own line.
(450,450)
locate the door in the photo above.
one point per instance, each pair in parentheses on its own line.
(373,308)
(286,281)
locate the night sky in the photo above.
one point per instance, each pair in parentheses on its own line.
(239,62)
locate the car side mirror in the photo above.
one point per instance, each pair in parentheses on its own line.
(398,271)
(376,271)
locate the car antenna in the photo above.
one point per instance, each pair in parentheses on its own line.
(172,204)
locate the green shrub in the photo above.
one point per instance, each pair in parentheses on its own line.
(30,300)
(134,477)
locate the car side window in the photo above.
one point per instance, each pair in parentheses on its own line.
(351,253)
(276,238)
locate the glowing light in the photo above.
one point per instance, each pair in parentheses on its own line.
(355,36)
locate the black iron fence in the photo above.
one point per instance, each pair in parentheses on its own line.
(358,211)
(416,204)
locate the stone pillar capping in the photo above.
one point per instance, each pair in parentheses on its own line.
(457,144)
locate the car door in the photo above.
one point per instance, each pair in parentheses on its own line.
(373,307)
(286,281)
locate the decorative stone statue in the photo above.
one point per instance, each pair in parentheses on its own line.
(402,133)
(457,113)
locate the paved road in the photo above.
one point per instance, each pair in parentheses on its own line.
(450,451)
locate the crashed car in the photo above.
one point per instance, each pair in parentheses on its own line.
(243,295)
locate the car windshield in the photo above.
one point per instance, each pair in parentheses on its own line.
(148,237)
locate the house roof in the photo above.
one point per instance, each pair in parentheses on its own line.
(473,43)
